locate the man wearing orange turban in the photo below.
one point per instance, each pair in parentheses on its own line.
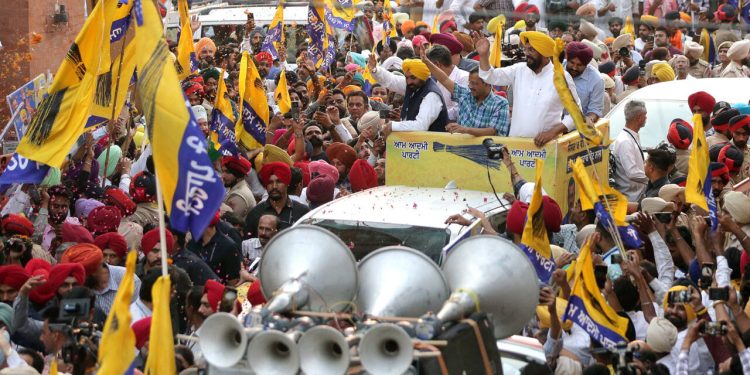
(537,108)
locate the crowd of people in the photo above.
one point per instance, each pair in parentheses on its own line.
(65,240)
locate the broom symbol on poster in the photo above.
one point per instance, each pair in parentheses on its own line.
(475,153)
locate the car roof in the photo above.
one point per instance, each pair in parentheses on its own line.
(224,14)
(405,205)
(731,90)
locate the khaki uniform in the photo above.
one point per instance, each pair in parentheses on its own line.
(145,214)
(745,169)
(734,70)
(716,139)
(700,70)
(240,198)
(625,93)
(681,164)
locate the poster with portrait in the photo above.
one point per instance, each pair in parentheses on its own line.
(25,100)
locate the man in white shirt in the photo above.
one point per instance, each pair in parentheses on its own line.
(630,177)
(681,315)
(423,108)
(441,56)
(537,109)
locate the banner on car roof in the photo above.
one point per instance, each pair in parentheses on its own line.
(432,159)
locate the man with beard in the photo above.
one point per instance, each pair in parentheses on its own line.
(53,212)
(211,80)
(275,177)
(423,108)
(720,125)
(480,111)
(194,92)
(699,68)
(268,226)
(12,278)
(589,84)
(257,36)
(719,179)
(239,196)
(740,128)
(205,49)
(702,103)
(151,248)
(211,299)
(537,108)
(219,252)
(314,135)
(265,62)
(680,314)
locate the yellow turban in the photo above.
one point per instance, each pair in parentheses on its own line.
(520,25)
(417,68)
(650,20)
(663,72)
(272,153)
(689,312)
(350,89)
(204,43)
(541,42)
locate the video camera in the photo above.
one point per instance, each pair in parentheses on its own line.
(512,54)
(494,151)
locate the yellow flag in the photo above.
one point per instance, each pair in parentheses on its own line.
(628,28)
(186,60)
(591,193)
(250,129)
(435,26)
(585,129)
(496,26)
(161,341)
(706,41)
(534,232)
(281,94)
(588,309)
(388,13)
(117,335)
(697,166)
(53,366)
(61,117)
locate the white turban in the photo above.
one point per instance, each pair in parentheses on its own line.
(661,335)
(199,112)
(738,206)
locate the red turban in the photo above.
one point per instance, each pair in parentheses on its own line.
(214,291)
(151,238)
(320,167)
(57,275)
(448,41)
(38,266)
(237,164)
(447,25)
(343,152)
(362,176)
(526,8)
(552,214)
(720,170)
(680,134)
(731,157)
(720,122)
(104,219)
(17,224)
(76,233)
(279,169)
(516,217)
(142,331)
(193,88)
(255,294)
(739,122)
(264,56)
(321,190)
(702,100)
(579,50)
(118,198)
(88,255)
(114,241)
(13,276)
(305,168)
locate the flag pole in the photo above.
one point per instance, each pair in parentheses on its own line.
(114,105)
(162,226)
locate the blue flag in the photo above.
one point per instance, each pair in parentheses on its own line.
(628,233)
(711,201)
(21,170)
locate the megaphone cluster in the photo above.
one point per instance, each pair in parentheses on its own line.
(325,312)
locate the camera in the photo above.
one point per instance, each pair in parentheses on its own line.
(556,6)
(707,275)
(624,52)
(494,151)
(718,294)
(73,309)
(385,114)
(663,217)
(680,296)
(714,329)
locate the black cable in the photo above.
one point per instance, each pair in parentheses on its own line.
(489,178)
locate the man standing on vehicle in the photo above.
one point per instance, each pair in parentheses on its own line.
(630,176)
(589,84)
(537,109)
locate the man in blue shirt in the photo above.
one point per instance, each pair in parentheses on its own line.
(589,84)
(481,112)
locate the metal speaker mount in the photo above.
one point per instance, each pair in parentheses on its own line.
(308,268)
(497,273)
(400,281)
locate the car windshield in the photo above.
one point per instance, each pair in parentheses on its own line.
(660,115)
(364,237)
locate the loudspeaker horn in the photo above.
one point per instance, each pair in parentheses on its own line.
(386,349)
(496,274)
(307,268)
(272,352)
(323,350)
(400,281)
(223,340)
